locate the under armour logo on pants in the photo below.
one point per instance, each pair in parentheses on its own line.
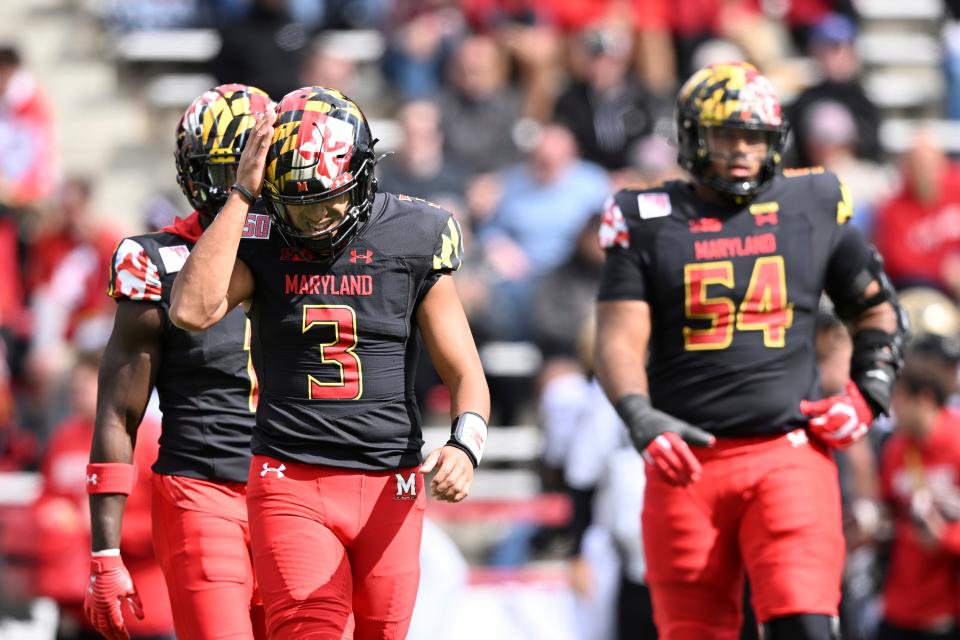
(278,470)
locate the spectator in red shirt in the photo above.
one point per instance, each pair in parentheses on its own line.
(72,225)
(14,322)
(68,266)
(29,163)
(918,231)
(62,519)
(920,479)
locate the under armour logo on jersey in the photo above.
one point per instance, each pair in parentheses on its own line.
(356,256)
(406,487)
(277,470)
(92,479)
(797,438)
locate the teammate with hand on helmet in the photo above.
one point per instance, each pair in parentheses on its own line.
(337,294)
(207,394)
(705,345)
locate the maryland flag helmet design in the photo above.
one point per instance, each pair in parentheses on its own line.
(210,137)
(322,149)
(729,95)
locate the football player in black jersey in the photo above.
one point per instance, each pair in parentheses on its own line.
(706,347)
(337,295)
(207,394)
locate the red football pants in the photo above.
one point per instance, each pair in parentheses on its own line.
(328,543)
(771,505)
(202,541)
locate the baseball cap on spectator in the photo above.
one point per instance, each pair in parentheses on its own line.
(834,29)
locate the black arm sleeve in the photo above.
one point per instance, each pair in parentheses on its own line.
(848,261)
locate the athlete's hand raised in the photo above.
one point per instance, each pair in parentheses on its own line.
(253,160)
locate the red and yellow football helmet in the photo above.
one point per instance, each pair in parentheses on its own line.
(210,137)
(322,148)
(728,95)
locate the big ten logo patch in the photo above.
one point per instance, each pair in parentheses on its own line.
(406,487)
(257,226)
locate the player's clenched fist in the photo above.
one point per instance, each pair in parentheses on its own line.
(110,586)
(454,474)
(663,440)
(841,420)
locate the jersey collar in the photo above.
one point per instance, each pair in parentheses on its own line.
(187,228)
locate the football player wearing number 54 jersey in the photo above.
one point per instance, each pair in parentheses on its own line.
(705,344)
(337,294)
(207,395)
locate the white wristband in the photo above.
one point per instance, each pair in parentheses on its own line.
(469,432)
(106,553)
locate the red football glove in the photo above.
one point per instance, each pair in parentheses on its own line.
(672,458)
(110,586)
(839,421)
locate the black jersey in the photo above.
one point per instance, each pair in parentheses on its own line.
(733,294)
(335,344)
(205,381)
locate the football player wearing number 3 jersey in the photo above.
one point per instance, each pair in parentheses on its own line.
(337,294)
(207,395)
(705,346)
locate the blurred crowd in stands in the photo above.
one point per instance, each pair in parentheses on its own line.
(521,117)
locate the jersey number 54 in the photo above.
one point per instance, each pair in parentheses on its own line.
(764,308)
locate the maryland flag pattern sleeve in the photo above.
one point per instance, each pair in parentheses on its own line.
(133,273)
(448,254)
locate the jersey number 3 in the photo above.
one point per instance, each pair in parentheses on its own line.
(338,352)
(764,307)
